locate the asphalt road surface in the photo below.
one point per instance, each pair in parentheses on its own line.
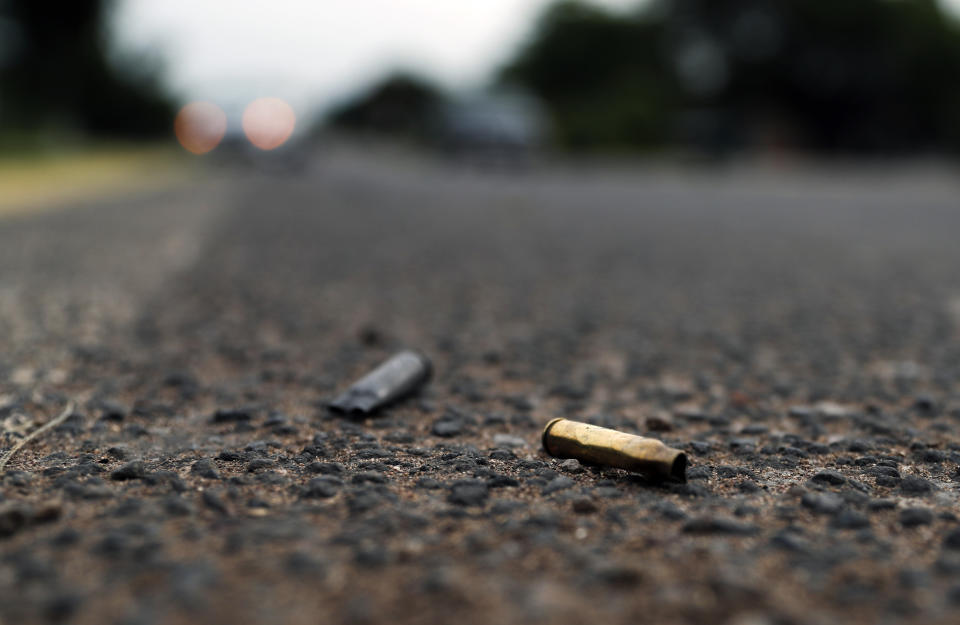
(796,332)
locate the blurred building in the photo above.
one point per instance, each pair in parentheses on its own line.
(491,126)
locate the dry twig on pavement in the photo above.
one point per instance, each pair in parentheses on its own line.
(67,411)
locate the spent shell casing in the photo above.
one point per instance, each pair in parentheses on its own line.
(571,439)
(399,375)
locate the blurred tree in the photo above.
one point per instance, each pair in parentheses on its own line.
(600,75)
(828,75)
(56,74)
(399,106)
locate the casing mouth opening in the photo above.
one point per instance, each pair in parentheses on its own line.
(678,470)
(546,431)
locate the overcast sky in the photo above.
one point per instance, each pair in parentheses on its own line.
(312,52)
(316,51)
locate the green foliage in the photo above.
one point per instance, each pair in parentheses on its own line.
(832,75)
(600,76)
(58,76)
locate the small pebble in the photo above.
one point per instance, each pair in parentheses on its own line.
(135,470)
(508,442)
(833,478)
(557,484)
(914,517)
(468,492)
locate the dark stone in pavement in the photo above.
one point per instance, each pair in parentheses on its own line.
(135,470)
(468,492)
(584,505)
(849,519)
(914,486)
(557,484)
(718,525)
(215,502)
(205,467)
(952,540)
(231,416)
(913,517)
(824,503)
(833,478)
(322,487)
(448,426)
(13,518)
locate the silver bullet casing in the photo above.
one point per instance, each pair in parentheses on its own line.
(590,443)
(396,377)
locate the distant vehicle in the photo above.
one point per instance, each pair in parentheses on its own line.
(236,150)
(491,128)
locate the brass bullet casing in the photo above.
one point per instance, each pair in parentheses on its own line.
(571,439)
(399,375)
